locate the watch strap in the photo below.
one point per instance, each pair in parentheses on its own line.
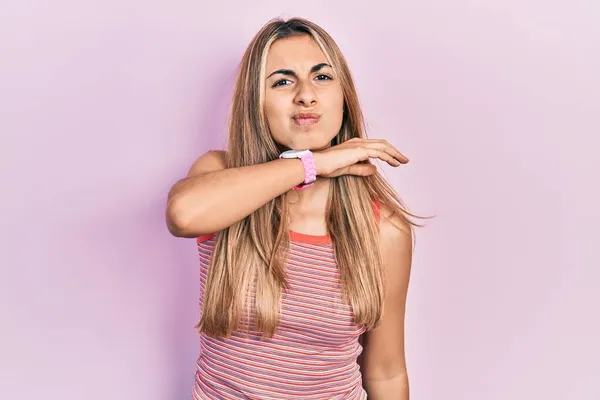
(308,162)
(310,171)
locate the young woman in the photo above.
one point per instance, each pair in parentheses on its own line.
(305,250)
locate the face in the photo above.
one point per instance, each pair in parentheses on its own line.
(303,97)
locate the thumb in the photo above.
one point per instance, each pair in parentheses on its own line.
(361,169)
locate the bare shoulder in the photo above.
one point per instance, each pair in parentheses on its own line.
(212,160)
(396,241)
(394,228)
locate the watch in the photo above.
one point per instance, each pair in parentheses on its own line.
(308,161)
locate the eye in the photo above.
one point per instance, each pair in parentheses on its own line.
(280,82)
(323,77)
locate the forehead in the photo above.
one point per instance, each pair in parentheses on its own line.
(294,52)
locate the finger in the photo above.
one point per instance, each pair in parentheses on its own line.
(380,144)
(382,155)
(384,145)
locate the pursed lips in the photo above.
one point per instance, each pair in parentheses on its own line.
(306,118)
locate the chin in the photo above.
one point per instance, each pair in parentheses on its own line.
(312,144)
(321,147)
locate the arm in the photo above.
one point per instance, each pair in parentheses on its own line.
(383,364)
(213,197)
(210,197)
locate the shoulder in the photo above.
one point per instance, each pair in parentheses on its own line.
(394,227)
(212,160)
(396,245)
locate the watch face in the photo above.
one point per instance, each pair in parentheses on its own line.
(293,153)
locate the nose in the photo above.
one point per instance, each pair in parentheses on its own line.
(306,95)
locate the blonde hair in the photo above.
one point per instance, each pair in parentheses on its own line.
(246,274)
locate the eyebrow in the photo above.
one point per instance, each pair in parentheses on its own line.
(289,72)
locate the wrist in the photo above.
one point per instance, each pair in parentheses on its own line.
(317,160)
(298,169)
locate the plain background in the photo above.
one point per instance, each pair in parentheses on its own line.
(105,104)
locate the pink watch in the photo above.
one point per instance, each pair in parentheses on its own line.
(310,171)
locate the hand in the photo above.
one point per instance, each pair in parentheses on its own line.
(345,158)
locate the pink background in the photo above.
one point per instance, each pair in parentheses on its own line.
(105,104)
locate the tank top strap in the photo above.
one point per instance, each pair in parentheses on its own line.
(204,238)
(377,208)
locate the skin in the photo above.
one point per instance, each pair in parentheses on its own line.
(304,90)
(299,82)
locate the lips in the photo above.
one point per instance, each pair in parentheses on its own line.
(306,118)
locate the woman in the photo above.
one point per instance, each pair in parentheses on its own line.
(305,250)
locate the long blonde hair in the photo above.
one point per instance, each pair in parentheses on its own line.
(246,274)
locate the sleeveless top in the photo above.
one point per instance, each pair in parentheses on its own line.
(313,353)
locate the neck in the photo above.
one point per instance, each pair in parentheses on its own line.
(312,197)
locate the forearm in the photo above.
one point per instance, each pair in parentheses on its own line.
(396,388)
(208,203)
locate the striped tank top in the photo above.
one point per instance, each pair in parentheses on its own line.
(313,353)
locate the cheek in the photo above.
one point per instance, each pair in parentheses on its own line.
(275,114)
(335,102)
(275,108)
